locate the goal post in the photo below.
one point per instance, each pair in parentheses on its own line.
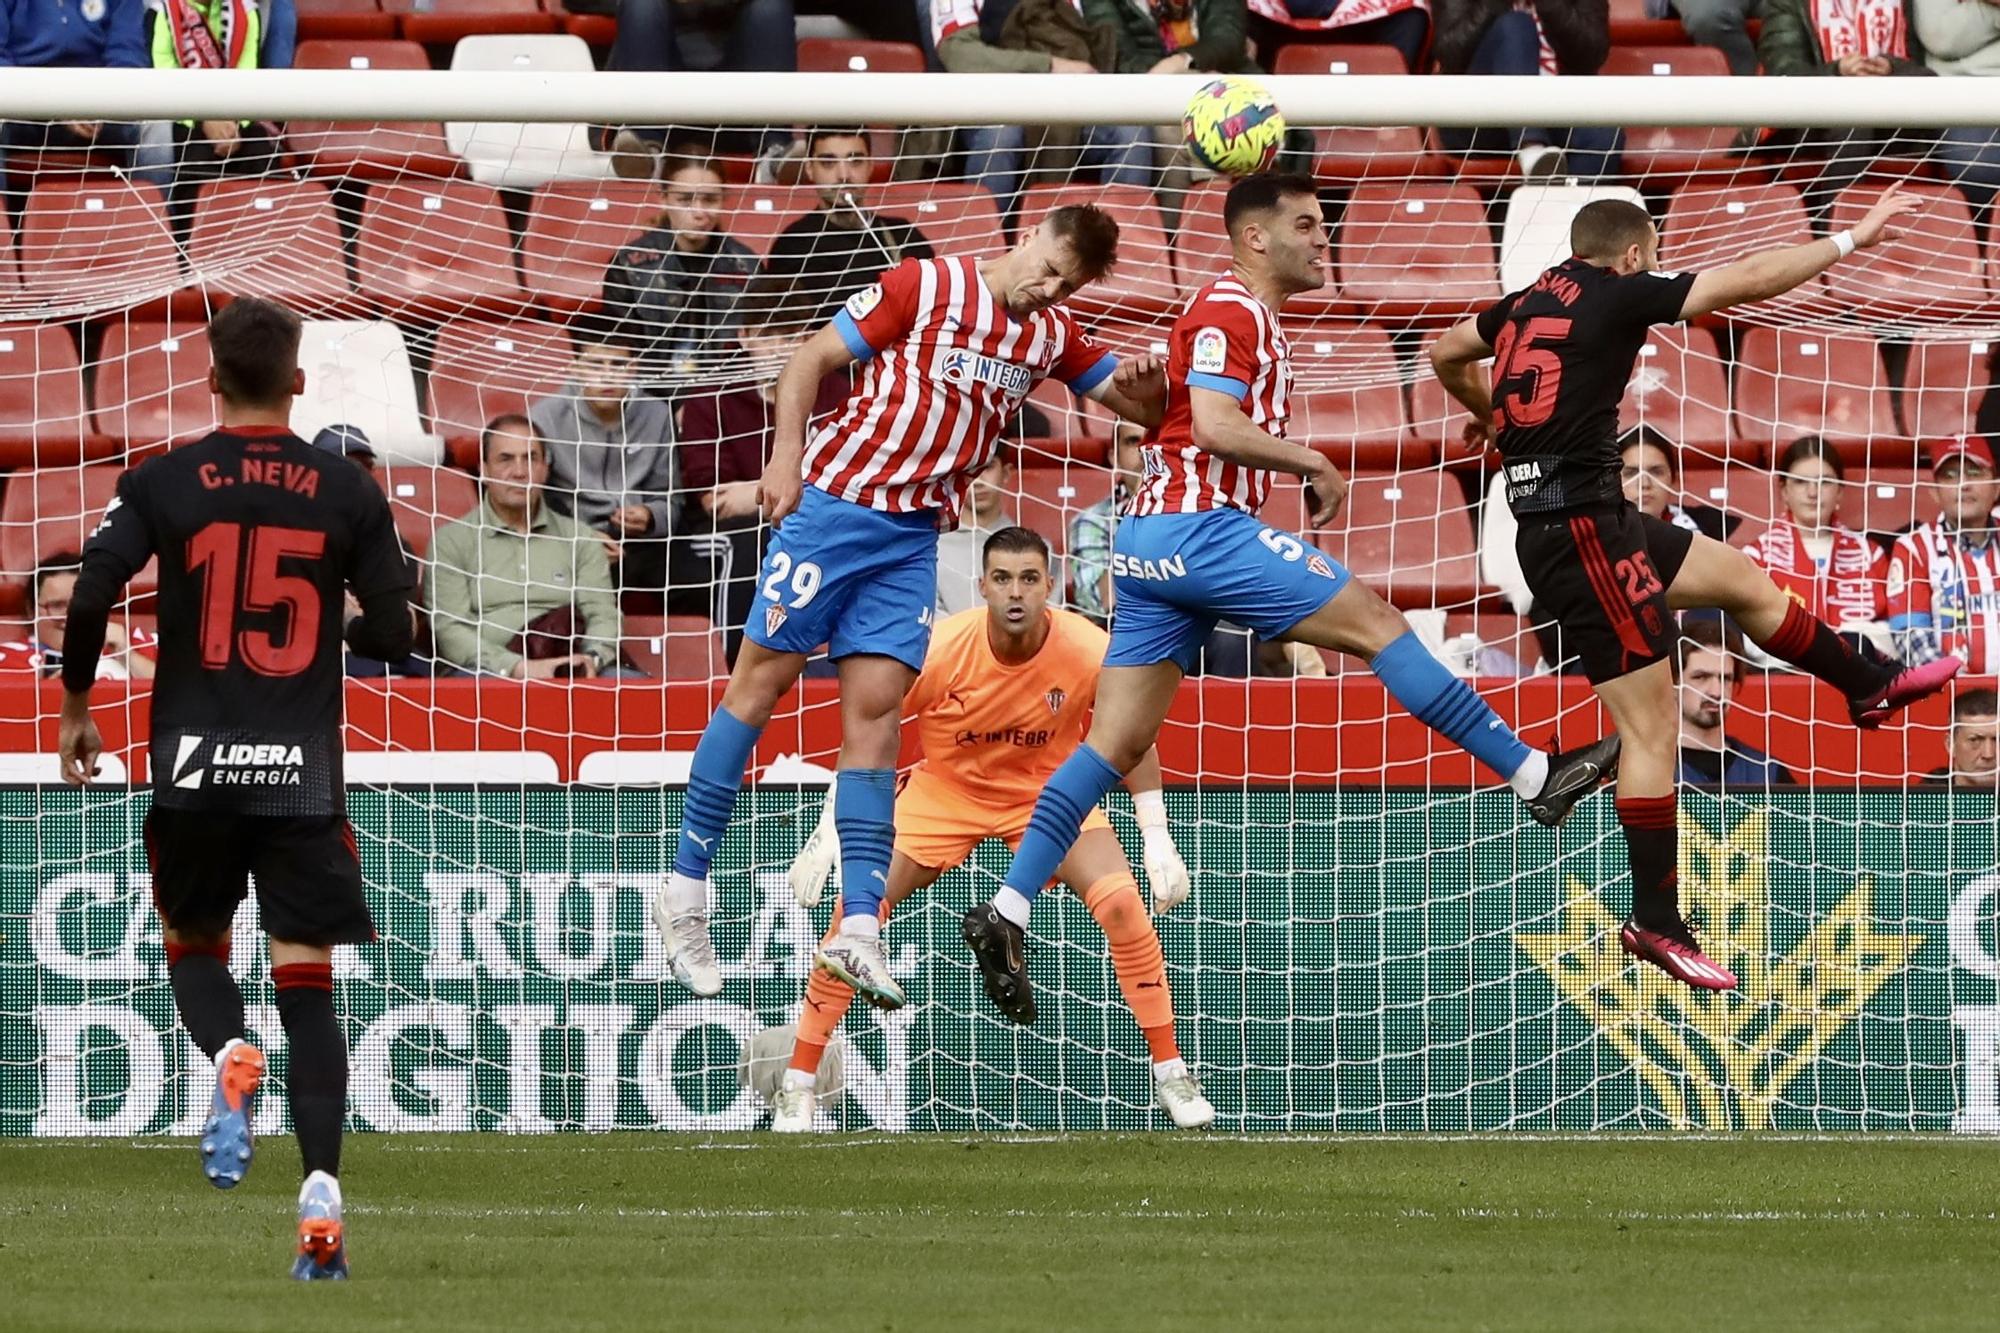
(1378,940)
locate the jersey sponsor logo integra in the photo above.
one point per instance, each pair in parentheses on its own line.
(1026,738)
(957,366)
(1157,570)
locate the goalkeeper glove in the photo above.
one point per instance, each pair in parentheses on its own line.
(1165,870)
(819,858)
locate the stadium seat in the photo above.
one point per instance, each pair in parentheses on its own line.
(833,55)
(10,275)
(98,244)
(344,20)
(151,383)
(1886,500)
(1630,24)
(437,249)
(480,370)
(1745,491)
(1415,251)
(1792,382)
(1347,397)
(358,372)
(1534,231)
(1499,560)
(956,220)
(370,150)
(522,156)
(1943,385)
(1709,225)
(270,237)
(1437,422)
(597,29)
(1495,632)
(1081,428)
(574,229)
(1934,271)
(674,647)
(757,213)
(1201,253)
(424,499)
(1143,282)
(439,21)
(1672,150)
(42,421)
(1680,387)
(1051,496)
(1344,153)
(1409,536)
(52,510)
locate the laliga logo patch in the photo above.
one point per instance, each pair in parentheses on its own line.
(1055,699)
(1897,577)
(1211,351)
(865,300)
(1318,565)
(774,618)
(111,508)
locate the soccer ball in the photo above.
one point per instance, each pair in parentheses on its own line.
(1233,127)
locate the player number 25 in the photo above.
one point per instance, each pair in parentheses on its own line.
(804,579)
(1287,547)
(1515,357)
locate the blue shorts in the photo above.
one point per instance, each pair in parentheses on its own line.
(853,578)
(1176,575)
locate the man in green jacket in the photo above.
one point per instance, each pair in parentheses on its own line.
(506,572)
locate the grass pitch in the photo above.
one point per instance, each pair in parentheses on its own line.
(1096,1232)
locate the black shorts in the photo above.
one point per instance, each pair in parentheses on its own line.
(308,874)
(1604,574)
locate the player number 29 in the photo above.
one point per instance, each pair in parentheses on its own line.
(1284,546)
(804,579)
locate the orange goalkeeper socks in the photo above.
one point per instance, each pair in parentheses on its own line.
(827,999)
(1136,957)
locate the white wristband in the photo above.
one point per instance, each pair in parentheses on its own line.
(1150,809)
(1843,242)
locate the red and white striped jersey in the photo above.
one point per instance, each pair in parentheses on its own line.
(1944,595)
(1847,587)
(950,16)
(946,368)
(1227,341)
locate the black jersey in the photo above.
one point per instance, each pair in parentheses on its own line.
(1562,352)
(258,535)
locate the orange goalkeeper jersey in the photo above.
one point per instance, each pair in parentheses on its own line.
(999,731)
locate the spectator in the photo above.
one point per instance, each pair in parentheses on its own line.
(1868,39)
(975,37)
(1722,24)
(611,457)
(1944,578)
(1709,668)
(1403,24)
(673,291)
(212,34)
(126,656)
(1829,568)
(674,35)
(352,443)
(1972,763)
(990,507)
(1546,37)
(1960,39)
(44,34)
(1652,478)
(841,246)
(516,589)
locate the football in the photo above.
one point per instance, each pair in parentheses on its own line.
(1233,127)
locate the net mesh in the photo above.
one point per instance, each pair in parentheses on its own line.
(1370,945)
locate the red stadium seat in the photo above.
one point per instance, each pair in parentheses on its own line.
(1745,491)
(956,220)
(52,510)
(1658,150)
(1708,226)
(674,647)
(439,248)
(271,237)
(1347,397)
(480,370)
(344,20)
(1629,24)
(1416,251)
(98,243)
(834,55)
(42,421)
(1943,386)
(1080,429)
(574,229)
(758,213)
(1680,387)
(1201,253)
(1889,499)
(596,29)
(377,149)
(439,21)
(1409,536)
(1143,282)
(1051,496)
(424,499)
(1352,152)
(1793,382)
(10,276)
(1936,270)
(151,384)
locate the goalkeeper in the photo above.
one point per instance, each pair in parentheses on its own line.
(1004,697)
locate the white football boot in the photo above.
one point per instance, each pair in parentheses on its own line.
(1182,1098)
(690,952)
(792,1112)
(858,960)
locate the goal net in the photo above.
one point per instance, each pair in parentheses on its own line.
(1377,938)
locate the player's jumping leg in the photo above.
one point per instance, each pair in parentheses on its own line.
(316,1079)
(211,1009)
(1356,620)
(1716,575)
(761,677)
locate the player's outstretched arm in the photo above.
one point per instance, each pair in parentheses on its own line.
(1222,428)
(798,384)
(1137,390)
(1775,272)
(1455,361)
(1165,870)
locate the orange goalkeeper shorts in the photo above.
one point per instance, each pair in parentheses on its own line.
(939,823)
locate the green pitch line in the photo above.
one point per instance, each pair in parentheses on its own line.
(1152,1232)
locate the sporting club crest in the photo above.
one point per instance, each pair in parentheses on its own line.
(1055,699)
(774,618)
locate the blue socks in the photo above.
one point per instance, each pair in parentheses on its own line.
(864,815)
(1071,793)
(1447,705)
(715,778)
